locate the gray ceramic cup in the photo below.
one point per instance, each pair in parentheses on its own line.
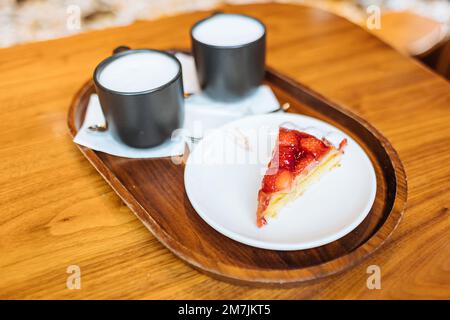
(229,73)
(146,118)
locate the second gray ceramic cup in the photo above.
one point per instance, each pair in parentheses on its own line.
(229,73)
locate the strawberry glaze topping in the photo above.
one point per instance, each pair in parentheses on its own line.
(295,150)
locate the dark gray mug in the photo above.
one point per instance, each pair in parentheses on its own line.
(145,118)
(228,73)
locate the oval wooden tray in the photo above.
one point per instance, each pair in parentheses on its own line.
(154,191)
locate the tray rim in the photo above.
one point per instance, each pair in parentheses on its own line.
(246,275)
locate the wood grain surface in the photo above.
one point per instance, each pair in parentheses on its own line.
(57,211)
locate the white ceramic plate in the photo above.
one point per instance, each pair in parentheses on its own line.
(224,171)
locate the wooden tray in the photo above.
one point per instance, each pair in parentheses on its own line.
(154,191)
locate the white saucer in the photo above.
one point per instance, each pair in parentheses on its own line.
(223,175)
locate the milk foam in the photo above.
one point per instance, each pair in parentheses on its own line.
(140,71)
(228,30)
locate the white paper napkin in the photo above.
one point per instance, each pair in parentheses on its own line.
(201,115)
(105,142)
(190,80)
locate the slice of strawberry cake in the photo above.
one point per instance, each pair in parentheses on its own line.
(298,160)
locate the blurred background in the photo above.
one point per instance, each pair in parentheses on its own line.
(418,28)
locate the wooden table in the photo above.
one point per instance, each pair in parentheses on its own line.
(57,211)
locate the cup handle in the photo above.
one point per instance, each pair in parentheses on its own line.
(102,128)
(121,49)
(98,128)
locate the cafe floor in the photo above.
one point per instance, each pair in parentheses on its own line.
(24,21)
